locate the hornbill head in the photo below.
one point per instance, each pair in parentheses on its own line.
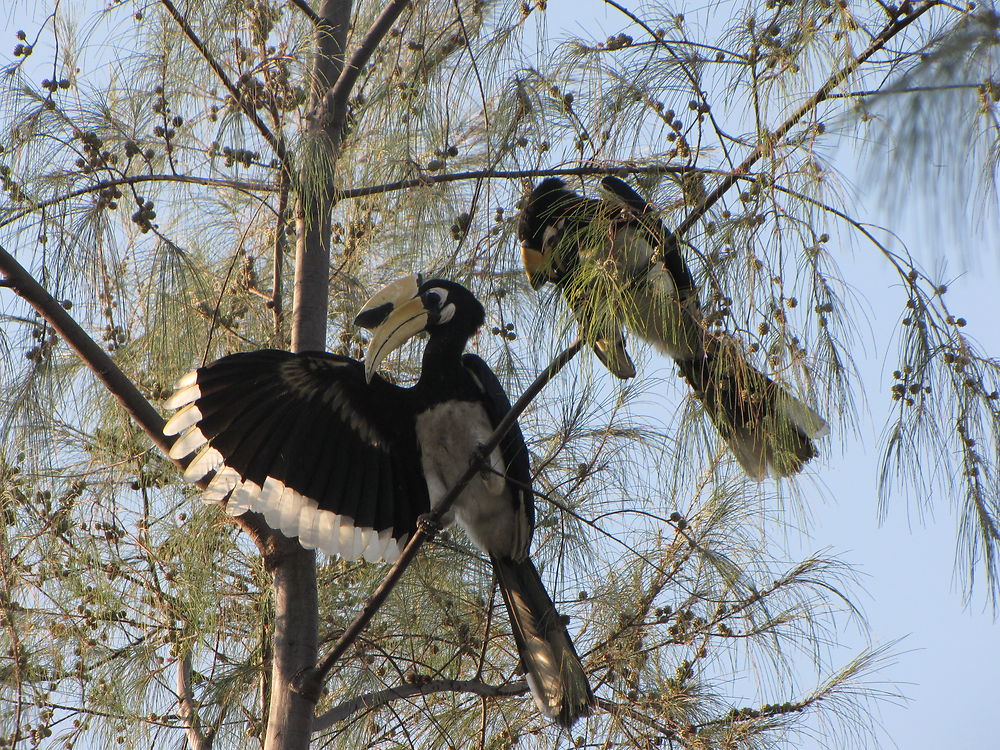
(539,228)
(408,306)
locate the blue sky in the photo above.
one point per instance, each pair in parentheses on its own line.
(910,588)
(946,665)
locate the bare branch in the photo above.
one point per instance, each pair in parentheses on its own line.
(135,179)
(310,681)
(89,350)
(251,187)
(16,277)
(308,11)
(336,98)
(316,194)
(370,701)
(896,25)
(295,638)
(332,25)
(280,244)
(274,141)
(514,174)
(186,707)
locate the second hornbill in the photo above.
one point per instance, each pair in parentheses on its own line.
(616,265)
(329,451)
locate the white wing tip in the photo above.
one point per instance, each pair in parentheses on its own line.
(224,482)
(206,461)
(294,515)
(187,444)
(186,417)
(188,378)
(183,396)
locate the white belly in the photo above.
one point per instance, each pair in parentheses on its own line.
(447,434)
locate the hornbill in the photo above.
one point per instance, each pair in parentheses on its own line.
(616,265)
(329,451)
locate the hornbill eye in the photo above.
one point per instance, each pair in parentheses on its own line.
(436,302)
(435,297)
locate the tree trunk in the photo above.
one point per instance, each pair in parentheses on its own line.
(293,569)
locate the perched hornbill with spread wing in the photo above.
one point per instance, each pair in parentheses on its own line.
(329,451)
(616,265)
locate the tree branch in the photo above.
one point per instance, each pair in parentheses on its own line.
(277,296)
(897,24)
(308,11)
(135,179)
(309,682)
(336,98)
(186,709)
(361,192)
(316,184)
(515,174)
(332,26)
(273,140)
(374,700)
(16,277)
(295,638)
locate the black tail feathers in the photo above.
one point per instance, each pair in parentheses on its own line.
(766,427)
(553,670)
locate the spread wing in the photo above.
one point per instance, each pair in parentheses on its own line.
(302,439)
(517,468)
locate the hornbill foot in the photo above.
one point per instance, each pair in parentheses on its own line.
(429,525)
(481,460)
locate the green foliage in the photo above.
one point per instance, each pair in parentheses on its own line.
(140,192)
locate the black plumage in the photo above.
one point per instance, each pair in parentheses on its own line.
(329,451)
(617,266)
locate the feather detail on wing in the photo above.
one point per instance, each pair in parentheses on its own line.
(303,440)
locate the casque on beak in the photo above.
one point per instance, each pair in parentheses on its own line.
(534,266)
(395,314)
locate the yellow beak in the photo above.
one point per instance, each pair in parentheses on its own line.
(396,313)
(534,267)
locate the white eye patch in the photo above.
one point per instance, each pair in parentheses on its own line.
(442,295)
(551,236)
(447,312)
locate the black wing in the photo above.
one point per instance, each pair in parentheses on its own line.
(624,193)
(646,214)
(512,446)
(302,439)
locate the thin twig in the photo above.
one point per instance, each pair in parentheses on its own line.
(684,64)
(117,382)
(309,682)
(771,139)
(373,700)
(905,90)
(244,105)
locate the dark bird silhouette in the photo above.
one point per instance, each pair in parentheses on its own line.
(617,266)
(332,453)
